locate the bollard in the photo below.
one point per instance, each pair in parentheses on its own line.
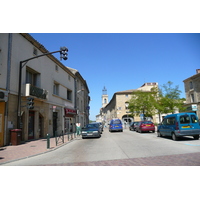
(48,141)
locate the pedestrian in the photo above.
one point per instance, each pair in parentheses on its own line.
(78,129)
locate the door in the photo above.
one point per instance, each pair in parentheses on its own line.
(31,125)
(41,126)
(55,117)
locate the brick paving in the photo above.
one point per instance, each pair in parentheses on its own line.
(30,148)
(190,159)
(36,147)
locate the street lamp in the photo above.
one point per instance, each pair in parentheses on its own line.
(63,53)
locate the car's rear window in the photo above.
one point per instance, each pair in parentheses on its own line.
(184,119)
(147,122)
(116,122)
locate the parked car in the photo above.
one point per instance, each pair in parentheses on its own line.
(115,125)
(179,124)
(133,126)
(91,130)
(100,125)
(145,126)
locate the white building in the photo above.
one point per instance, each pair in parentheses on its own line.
(46,79)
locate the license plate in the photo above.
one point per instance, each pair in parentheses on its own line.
(148,125)
(116,126)
(89,134)
(185,126)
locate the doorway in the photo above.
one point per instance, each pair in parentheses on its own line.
(55,125)
(31,125)
(41,122)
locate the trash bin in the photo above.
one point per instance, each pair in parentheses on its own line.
(15,138)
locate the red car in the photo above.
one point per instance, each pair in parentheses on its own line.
(145,126)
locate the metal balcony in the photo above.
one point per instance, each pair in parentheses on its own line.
(40,93)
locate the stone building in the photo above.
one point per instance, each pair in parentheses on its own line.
(118,106)
(82,99)
(192,93)
(46,79)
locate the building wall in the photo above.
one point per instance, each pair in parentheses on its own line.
(48,74)
(194,90)
(117,107)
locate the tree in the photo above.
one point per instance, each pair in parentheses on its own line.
(142,102)
(170,98)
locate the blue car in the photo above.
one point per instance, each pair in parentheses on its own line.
(115,125)
(179,124)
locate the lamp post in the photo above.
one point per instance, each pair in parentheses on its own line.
(63,55)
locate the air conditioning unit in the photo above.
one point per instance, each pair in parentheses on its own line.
(3,95)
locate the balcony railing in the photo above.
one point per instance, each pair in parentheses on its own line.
(35,91)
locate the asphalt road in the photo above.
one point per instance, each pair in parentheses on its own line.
(112,146)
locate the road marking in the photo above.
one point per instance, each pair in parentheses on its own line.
(196,145)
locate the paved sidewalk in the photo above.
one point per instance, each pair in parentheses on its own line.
(30,148)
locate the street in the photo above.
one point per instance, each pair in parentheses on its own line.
(113,146)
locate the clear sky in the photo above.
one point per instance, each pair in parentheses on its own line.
(123,61)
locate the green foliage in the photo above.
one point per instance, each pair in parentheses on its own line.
(142,102)
(159,100)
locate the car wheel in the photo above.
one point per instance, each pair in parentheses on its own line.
(83,137)
(196,137)
(174,137)
(159,134)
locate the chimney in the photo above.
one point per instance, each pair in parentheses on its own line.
(198,71)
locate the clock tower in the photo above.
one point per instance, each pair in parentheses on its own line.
(104,97)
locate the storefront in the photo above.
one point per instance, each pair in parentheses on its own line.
(70,120)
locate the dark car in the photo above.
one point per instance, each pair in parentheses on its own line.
(133,125)
(145,126)
(91,130)
(99,124)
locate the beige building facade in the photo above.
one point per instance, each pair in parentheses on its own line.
(118,106)
(46,79)
(192,93)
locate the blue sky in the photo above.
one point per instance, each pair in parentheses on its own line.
(123,61)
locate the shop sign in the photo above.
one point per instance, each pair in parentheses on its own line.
(70,111)
(194,107)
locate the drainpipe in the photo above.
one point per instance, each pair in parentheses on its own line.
(7,85)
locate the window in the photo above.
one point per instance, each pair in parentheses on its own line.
(56,68)
(69,95)
(69,77)
(184,119)
(191,85)
(32,77)
(169,121)
(193,119)
(105,100)
(35,51)
(192,97)
(56,89)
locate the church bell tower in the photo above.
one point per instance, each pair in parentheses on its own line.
(104,97)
